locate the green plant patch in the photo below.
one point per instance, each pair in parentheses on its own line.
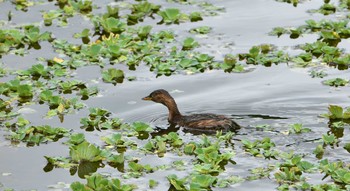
(170,16)
(199,182)
(131,51)
(81,6)
(67,9)
(298,128)
(113,76)
(189,43)
(118,142)
(337,112)
(347,147)
(195,16)
(99,119)
(85,152)
(23,4)
(293,2)
(330,140)
(291,171)
(336,82)
(325,9)
(51,15)
(141,129)
(85,34)
(336,170)
(34,135)
(152,183)
(141,10)
(16,39)
(158,145)
(319,151)
(231,64)
(259,172)
(75,139)
(261,148)
(85,158)
(18,90)
(85,93)
(59,106)
(330,32)
(264,55)
(211,161)
(210,9)
(176,183)
(201,30)
(109,25)
(6,109)
(100,182)
(318,74)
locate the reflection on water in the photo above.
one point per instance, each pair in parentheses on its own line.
(260,116)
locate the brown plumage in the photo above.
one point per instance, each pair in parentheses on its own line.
(205,122)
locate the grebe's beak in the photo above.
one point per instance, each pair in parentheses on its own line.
(147,98)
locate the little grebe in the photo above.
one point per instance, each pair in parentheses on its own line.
(205,121)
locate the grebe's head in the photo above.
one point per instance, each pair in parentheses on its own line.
(158,96)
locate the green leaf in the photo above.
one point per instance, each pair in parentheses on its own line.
(336,111)
(347,147)
(195,16)
(152,183)
(202,181)
(85,152)
(189,43)
(113,75)
(141,127)
(336,82)
(170,15)
(179,184)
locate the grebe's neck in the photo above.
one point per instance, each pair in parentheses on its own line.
(174,113)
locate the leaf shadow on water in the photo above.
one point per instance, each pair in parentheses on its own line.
(159,131)
(84,168)
(338,132)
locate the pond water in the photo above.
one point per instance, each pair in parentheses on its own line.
(277,96)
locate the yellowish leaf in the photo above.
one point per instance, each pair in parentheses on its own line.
(58,60)
(60,108)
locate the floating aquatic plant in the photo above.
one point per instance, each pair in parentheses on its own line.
(113,76)
(336,82)
(99,119)
(140,11)
(337,112)
(99,182)
(263,55)
(261,148)
(298,128)
(170,15)
(189,43)
(201,30)
(34,135)
(336,170)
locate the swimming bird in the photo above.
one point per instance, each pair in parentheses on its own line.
(201,122)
